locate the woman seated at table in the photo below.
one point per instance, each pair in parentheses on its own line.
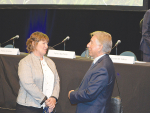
(39,80)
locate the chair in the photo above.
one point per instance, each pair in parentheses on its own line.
(85,53)
(8,46)
(129,53)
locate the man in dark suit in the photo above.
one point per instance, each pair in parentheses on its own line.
(95,90)
(145,41)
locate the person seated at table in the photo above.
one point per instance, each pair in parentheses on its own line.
(38,77)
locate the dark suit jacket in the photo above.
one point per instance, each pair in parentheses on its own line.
(145,41)
(95,90)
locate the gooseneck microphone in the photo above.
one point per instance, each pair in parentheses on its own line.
(117,43)
(67,38)
(64,40)
(13,38)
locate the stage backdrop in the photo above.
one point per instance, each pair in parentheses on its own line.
(78,24)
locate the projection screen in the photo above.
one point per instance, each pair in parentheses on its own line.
(77,4)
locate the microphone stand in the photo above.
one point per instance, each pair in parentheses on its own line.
(116,49)
(64,45)
(13,43)
(67,38)
(60,43)
(57,44)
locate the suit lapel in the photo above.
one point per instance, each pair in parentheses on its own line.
(105,56)
(98,62)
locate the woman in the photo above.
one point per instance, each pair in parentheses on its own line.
(39,80)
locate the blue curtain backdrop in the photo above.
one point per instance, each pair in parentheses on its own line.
(38,19)
(41,20)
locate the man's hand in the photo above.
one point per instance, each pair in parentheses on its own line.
(69,93)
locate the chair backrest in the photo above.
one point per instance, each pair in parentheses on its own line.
(129,53)
(85,53)
(8,46)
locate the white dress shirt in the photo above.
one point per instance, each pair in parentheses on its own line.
(97,58)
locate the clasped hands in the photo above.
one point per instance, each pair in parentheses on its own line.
(50,102)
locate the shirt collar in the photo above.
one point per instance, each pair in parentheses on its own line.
(97,58)
(36,56)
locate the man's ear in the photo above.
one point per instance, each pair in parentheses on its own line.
(100,48)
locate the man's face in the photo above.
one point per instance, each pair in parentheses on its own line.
(94,48)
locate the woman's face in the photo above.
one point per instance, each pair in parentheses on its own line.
(41,48)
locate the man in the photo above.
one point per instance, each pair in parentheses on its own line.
(95,90)
(145,41)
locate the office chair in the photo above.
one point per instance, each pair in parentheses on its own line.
(85,53)
(129,53)
(8,46)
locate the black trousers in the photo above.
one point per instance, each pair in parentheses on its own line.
(26,109)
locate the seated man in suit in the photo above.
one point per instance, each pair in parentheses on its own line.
(95,90)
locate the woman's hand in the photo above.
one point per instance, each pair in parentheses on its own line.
(50,110)
(50,102)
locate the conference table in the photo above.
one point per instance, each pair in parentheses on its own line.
(133,82)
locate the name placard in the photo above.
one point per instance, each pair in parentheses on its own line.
(10,51)
(122,59)
(61,54)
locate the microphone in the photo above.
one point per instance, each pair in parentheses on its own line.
(118,42)
(15,37)
(67,38)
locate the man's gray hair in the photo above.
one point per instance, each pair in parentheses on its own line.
(105,39)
